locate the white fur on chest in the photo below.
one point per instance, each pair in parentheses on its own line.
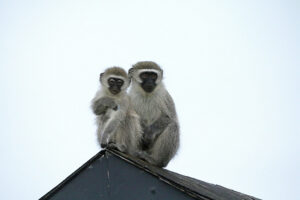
(147,108)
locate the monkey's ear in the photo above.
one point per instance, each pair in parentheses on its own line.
(130,72)
(129,81)
(101,76)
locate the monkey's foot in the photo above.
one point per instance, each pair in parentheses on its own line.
(103,145)
(147,158)
(119,147)
(144,156)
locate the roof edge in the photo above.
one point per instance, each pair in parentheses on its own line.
(153,171)
(72,175)
(162,174)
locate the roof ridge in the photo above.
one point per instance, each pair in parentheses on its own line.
(189,185)
(193,187)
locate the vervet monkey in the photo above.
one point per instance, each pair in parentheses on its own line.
(118,124)
(155,106)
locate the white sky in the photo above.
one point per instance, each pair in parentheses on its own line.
(232,68)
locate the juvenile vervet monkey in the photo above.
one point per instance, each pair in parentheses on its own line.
(118,124)
(155,106)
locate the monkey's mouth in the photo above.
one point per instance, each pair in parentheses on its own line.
(114,91)
(148,88)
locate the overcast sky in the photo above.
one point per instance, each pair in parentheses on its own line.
(232,68)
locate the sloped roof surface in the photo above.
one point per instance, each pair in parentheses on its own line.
(192,187)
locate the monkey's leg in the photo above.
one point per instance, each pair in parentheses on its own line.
(165,146)
(103,140)
(110,130)
(99,135)
(117,141)
(132,133)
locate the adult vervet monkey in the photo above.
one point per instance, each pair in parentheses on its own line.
(118,124)
(155,106)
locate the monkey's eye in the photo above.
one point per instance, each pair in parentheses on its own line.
(111,81)
(154,76)
(144,75)
(120,82)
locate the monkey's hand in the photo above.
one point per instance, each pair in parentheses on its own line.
(147,139)
(101,105)
(152,132)
(159,126)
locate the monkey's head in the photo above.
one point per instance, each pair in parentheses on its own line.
(147,74)
(115,79)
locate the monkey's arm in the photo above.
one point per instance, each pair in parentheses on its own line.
(167,116)
(166,119)
(101,105)
(165,144)
(152,132)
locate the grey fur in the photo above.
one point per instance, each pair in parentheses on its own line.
(118,124)
(160,140)
(101,105)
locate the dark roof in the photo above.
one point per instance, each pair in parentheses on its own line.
(193,187)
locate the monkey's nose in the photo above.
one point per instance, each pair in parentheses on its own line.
(148,88)
(114,91)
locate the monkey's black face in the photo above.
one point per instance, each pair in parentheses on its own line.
(115,85)
(148,81)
